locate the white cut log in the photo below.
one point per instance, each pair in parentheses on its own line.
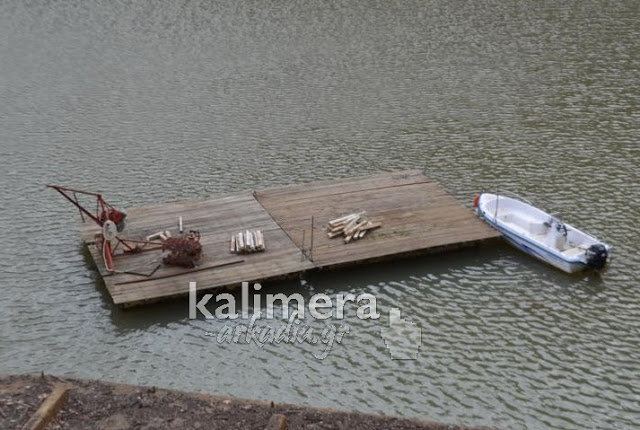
(256,237)
(261,240)
(158,235)
(249,241)
(240,242)
(256,247)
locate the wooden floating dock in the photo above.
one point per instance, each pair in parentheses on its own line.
(416,215)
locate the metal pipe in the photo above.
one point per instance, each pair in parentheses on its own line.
(311,246)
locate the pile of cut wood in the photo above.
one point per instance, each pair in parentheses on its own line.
(247,242)
(353,226)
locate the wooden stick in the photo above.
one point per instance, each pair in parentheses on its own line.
(340,220)
(372,226)
(348,238)
(355,228)
(48,409)
(340,227)
(351,223)
(335,227)
(345,219)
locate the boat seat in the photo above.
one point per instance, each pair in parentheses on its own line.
(530,225)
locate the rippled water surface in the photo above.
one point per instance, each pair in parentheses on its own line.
(161,101)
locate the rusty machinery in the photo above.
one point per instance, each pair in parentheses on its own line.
(182,251)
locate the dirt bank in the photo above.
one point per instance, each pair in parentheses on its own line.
(105,406)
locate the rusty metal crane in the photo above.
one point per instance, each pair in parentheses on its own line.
(112,223)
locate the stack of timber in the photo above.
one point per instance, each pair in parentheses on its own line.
(247,242)
(353,226)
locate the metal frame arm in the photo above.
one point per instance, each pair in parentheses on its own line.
(64,190)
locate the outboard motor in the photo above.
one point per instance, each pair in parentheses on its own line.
(596,256)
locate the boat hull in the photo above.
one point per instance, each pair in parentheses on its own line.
(539,253)
(537,233)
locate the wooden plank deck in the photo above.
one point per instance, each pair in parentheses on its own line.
(416,215)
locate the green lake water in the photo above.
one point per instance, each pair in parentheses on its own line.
(150,102)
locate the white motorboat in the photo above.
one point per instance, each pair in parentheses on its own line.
(542,235)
